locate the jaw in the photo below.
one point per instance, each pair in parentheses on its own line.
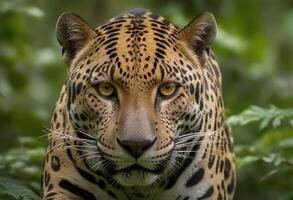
(136,178)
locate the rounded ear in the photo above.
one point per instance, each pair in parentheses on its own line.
(72,33)
(199,33)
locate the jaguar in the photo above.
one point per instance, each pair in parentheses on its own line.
(141,114)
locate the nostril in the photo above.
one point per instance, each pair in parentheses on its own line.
(136,148)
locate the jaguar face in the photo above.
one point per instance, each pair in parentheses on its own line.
(135,92)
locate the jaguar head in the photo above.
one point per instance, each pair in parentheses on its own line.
(135,92)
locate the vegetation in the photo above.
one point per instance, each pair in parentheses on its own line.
(254,47)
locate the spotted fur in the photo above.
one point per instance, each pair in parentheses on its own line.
(174,148)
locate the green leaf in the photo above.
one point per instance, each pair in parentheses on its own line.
(230,41)
(246,160)
(276,159)
(33,11)
(264,123)
(268,175)
(288,143)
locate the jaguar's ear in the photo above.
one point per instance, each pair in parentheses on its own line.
(199,33)
(72,33)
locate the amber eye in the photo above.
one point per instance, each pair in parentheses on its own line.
(106,89)
(168,89)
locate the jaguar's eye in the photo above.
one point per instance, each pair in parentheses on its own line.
(105,89)
(168,89)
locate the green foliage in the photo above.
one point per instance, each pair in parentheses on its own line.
(254,47)
(274,146)
(14,190)
(273,115)
(20,7)
(23,163)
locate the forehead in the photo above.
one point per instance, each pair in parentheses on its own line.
(136,47)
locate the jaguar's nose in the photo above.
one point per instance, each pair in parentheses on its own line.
(136,148)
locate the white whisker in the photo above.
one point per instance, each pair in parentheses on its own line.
(182,144)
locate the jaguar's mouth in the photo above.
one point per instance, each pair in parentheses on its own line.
(135,175)
(136,168)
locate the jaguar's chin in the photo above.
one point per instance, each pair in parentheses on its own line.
(135,176)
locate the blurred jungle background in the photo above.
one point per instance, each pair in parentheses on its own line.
(254,47)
